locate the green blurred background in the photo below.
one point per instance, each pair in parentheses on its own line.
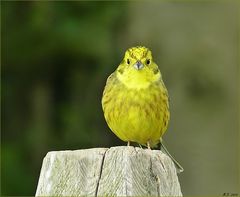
(56,57)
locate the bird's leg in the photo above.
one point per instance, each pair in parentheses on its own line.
(140,146)
(148,145)
(128,143)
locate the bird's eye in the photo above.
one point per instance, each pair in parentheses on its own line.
(148,61)
(128,61)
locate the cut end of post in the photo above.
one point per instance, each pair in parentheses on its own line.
(117,171)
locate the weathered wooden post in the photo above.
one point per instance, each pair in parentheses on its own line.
(117,171)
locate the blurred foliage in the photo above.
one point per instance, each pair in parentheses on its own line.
(56,57)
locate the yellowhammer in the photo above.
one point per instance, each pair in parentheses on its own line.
(135,100)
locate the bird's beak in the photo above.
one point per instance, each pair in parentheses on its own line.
(138,65)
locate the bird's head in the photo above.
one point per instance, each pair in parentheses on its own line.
(138,70)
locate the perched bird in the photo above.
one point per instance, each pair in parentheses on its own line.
(135,100)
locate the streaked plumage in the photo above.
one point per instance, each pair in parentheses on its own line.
(135,99)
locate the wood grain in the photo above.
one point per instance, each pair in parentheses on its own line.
(118,171)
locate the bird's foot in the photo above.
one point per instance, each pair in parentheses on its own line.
(128,143)
(148,145)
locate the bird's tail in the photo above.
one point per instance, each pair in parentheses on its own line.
(178,167)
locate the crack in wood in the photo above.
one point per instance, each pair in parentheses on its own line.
(100,175)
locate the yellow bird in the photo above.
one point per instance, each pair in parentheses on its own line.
(135,100)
